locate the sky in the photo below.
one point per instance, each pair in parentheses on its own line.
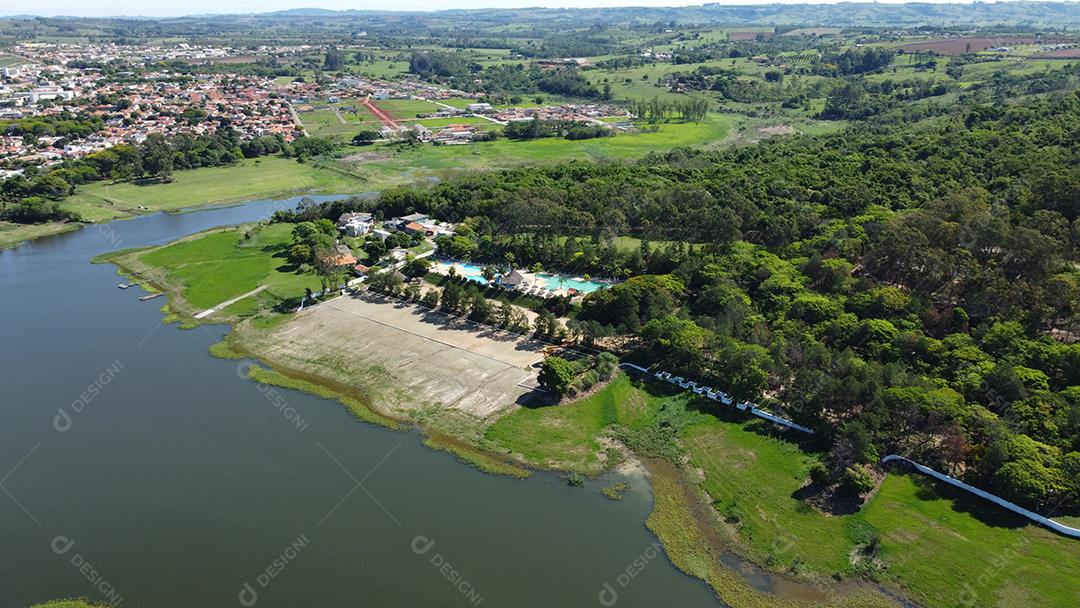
(164,8)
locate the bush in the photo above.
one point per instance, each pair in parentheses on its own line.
(605,365)
(588,380)
(856,480)
(818,473)
(556,374)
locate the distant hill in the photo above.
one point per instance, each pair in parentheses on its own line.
(1018,12)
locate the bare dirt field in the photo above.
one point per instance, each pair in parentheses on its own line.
(737,36)
(404,357)
(1059,54)
(960,46)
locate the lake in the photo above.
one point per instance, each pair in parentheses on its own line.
(137,468)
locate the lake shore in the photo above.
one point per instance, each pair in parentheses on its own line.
(262,178)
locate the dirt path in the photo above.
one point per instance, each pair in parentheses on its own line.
(383,117)
(296,120)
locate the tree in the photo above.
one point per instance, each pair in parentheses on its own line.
(856,480)
(416,267)
(334,59)
(157,157)
(430,298)
(556,375)
(365,138)
(386,281)
(300,254)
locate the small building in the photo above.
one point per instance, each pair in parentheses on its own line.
(419,218)
(418,228)
(344,257)
(512,279)
(479,108)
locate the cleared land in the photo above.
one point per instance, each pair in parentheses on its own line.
(405,358)
(960,46)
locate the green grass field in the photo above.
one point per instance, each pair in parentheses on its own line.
(13,234)
(248,180)
(210,268)
(444,161)
(566,437)
(936,544)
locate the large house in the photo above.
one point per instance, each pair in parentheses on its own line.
(355,224)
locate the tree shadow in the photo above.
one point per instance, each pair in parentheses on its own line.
(988,513)
(537,399)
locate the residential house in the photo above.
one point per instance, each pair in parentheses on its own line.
(355,224)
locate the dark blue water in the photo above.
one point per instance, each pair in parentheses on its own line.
(136,468)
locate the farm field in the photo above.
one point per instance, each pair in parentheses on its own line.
(959,46)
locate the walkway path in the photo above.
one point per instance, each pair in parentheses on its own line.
(210,311)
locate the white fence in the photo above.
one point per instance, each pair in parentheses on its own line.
(719,395)
(1035,517)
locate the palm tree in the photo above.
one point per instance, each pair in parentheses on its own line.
(489,273)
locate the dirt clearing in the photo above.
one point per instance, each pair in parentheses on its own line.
(406,358)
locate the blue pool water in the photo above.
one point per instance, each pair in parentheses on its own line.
(551,281)
(555,281)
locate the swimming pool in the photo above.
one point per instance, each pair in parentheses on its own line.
(475,273)
(556,281)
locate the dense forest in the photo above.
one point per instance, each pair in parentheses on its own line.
(900,288)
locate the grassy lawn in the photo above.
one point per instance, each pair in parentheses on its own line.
(247,180)
(566,437)
(935,543)
(12,234)
(210,268)
(947,548)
